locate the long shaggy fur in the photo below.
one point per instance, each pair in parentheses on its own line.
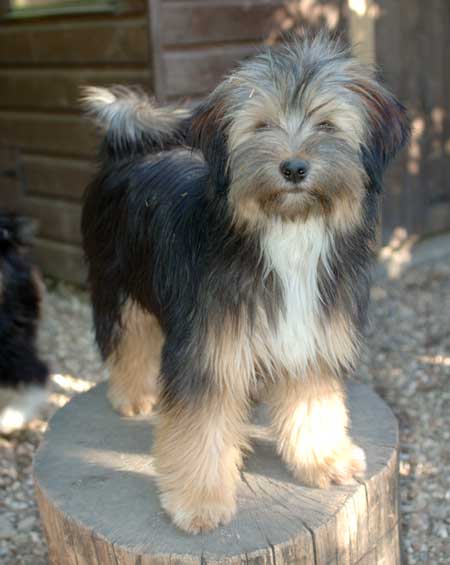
(23,375)
(131,122)
(245,277)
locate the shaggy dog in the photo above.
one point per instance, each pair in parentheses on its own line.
(23,375)
(229,249)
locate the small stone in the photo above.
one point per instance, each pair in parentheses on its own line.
(10,472)
(21,539)
(442,531)
(26,523)
(13,505)
(35,538)
(6,528)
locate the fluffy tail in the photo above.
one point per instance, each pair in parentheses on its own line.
(131,122)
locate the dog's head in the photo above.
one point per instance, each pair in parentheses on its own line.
(16,232)
(300,129)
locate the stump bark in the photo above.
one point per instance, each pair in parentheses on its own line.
(99,505)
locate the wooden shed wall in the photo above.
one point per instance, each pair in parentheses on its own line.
(43,63)
(196,42)
(193,43)
(413,50)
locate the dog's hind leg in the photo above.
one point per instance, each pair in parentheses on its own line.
(134,364)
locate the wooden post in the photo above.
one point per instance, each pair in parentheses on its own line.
(99,505)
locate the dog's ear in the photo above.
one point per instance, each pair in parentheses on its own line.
(388,121)
(17,230)
(208,134)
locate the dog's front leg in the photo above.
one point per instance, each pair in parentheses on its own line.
(198,454)
(310,421)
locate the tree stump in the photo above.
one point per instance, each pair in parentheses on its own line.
(99,504)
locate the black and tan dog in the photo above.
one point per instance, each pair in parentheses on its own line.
(243,261)
(23,376)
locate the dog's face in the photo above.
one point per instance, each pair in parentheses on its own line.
(16,232)
(300,130)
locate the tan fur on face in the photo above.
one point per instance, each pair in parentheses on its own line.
(273,109)
(310,420)
(198,454)
(134,366)
(334,187)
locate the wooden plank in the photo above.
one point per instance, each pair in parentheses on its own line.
(57,8)
(228,25)
(418,187)
(11,178)
(71,42)
(196,22)
(59,89)
(51,134)
(60,260)
(59,221)
(155,44)
(57,177)
(195,72)
(438,216)
(10,194)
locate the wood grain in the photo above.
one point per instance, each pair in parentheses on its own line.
(59,221)
(53,134)
(209,22)
(57,177)
(69,42)
(413,50)
(99,505)
(59,89)
(11,179)
(195,72)
(60,260)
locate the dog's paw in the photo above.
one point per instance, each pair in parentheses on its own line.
(202,517)
(125,407)
(347,464)
(22,407)
(341,468)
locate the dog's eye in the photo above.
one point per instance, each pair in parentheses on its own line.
(4,234)
(262,126)
(326,126)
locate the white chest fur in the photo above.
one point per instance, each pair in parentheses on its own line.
(295,251)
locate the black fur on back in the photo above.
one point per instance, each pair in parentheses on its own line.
(157,232)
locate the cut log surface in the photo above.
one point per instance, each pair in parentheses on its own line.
(99,504)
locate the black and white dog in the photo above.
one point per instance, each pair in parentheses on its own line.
(23,376)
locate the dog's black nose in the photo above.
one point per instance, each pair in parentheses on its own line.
(294,170)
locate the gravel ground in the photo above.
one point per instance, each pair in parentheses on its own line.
(407,361)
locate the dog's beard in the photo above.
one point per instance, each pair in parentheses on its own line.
(334,186)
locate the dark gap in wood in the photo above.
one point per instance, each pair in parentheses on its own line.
(313,539)
(56,66)
(200,46)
